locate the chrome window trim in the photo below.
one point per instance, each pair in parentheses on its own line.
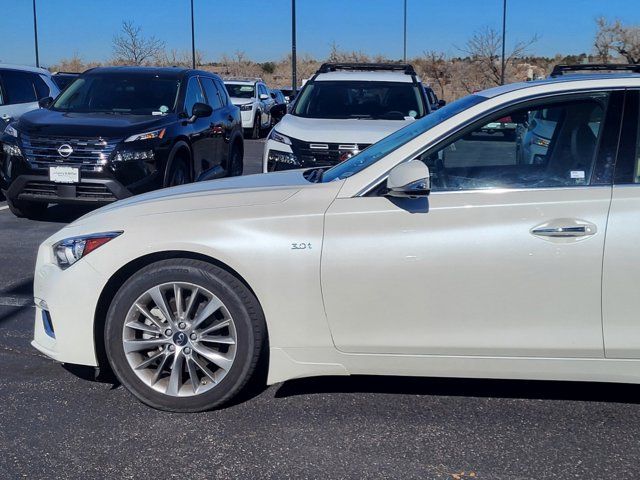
(376,183)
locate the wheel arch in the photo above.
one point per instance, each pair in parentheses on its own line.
(125,272)
(181,145)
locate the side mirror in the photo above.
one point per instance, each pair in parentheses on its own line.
(273,95)
(45,102)
(441,103)
(200,110)
(264,96)
(409,180)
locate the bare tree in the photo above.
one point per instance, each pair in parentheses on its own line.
(484,49)
(130,47)
(435,66)
(617,38)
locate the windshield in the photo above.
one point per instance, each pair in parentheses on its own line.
(240,90)
(122,93)
(397,139)
(360,99)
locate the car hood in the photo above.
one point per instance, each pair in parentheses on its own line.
(51,122)
(338,131)
(242,191)
(242,101)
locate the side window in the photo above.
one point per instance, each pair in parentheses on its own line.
(263,90)
(18,87)
(194,95)
(222,91)
(42,90)
(552,144)
(212,93)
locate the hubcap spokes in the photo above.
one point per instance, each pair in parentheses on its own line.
(179,339)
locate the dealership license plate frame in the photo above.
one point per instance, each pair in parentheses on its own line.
(64,174)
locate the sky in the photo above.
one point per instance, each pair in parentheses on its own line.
(262,28)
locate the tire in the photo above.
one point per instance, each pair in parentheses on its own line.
(236,163)
(179,173)
(238,308)
(257,128)
(25,209)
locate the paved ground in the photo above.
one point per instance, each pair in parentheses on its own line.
(57,422)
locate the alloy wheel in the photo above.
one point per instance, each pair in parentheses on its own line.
(179,339)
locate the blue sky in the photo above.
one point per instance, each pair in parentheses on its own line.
(261,28)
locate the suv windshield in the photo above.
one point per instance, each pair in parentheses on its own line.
(397,139)
(360,99)
(121,93)
(239,90)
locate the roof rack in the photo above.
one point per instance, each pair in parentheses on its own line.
(332,67)
(560,70)
(244,79)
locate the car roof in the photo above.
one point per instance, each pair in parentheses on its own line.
(24,68)
(511,87)
(242,82)
(167,72)
(364,75)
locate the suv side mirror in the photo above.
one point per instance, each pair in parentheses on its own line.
(441,103)
(409,180)
(45,102)
(200,110)
(264,96)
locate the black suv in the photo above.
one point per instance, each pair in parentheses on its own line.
(120,131)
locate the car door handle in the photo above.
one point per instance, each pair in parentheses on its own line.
(565,229)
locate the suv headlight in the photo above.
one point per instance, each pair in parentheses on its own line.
(278,137)
(11,130)
(147,135)
(246,107)
(70,250)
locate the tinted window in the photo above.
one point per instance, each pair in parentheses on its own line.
(212,92)
(42,90)
(360,99)
(121,93)
(194,95)
(223,92)
(19,86)
(538,146)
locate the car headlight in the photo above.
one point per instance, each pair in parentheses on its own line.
(70,250)
(246,107)
(278,137)
(11,130)
(11,150)
(147,135)
(126,155)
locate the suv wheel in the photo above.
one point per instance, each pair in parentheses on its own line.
(178,172)
(257,128)
(236,165)
(184,335)
(25,209)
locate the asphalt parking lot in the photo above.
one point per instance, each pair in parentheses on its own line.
(58,422)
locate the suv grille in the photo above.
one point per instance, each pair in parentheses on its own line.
(319,154)
(85,191)
(90,154)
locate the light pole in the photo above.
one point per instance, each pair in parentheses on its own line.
(504,34)
(404,55)
(294,80)
(35,33)
(193,40)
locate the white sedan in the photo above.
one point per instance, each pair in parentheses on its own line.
(431,253)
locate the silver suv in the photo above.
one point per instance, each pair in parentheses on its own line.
(21,88)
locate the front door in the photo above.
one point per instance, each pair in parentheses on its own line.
(503,259)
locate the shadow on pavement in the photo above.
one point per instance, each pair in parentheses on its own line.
(525,389)
(65,213)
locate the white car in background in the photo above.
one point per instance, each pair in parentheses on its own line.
(255,101)
(20,89)
(341,110)
(427,254)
